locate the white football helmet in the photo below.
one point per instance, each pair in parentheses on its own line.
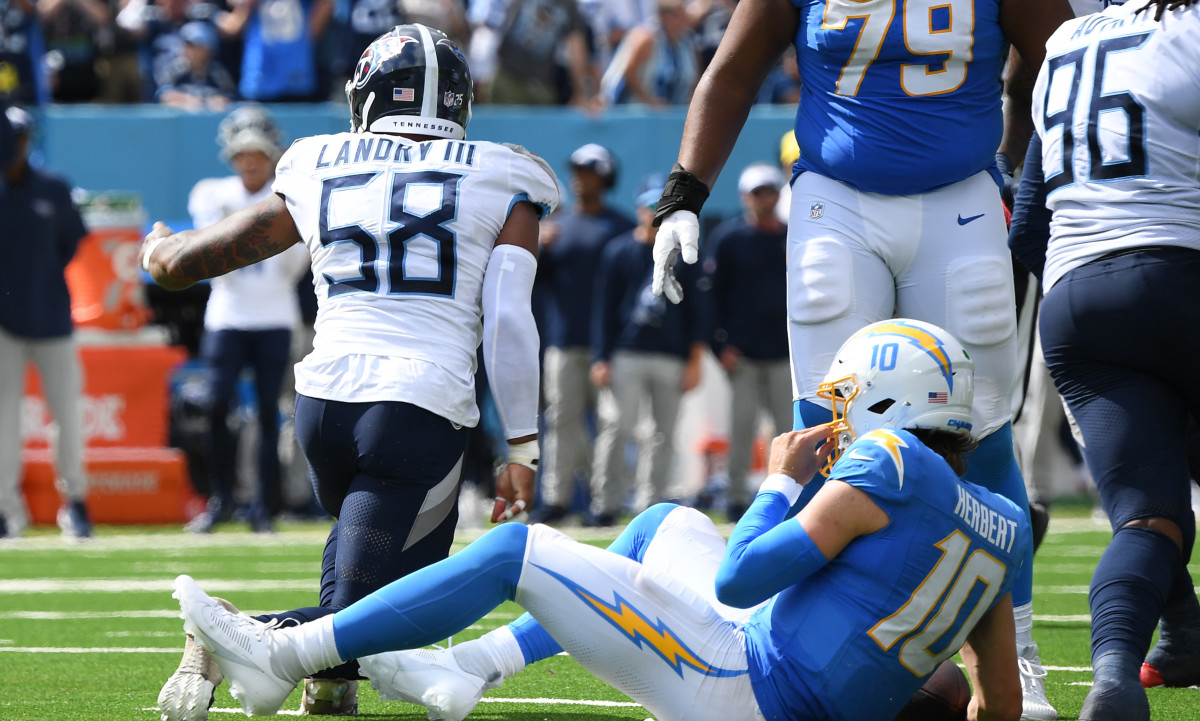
(899,373)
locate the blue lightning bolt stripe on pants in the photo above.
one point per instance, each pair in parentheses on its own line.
(639,626)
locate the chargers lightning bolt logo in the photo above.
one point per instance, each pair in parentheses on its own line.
(643,632)
(888,441)
(923,339)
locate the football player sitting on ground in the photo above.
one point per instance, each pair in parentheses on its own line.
(840,613)
(423,244)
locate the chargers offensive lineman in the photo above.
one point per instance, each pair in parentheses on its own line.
(1116,163)
(423,245)
(839,613)
(895,203)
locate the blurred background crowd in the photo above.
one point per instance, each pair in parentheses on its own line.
(206,54)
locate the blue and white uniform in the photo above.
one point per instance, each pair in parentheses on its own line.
(894,211)
(643,615)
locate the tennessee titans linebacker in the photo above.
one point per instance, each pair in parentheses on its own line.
(840,613)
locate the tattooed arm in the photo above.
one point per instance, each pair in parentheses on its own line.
(178,260)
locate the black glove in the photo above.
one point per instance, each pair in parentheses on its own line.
(1008,192)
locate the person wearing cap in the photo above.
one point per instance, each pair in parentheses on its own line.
(745,262)
(644,349)
(248,321)
(42,229)
(196,80)
(572,242)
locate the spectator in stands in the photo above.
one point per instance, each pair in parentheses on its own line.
(156,28)
(571,246)
(656,64)
(354,24)
(449,16)
(249,318)
(197,81)
(644,349)
(42,229)
(782,86)
(525,38)
(279,47)
(745,261)
(73,43)
(117,64)
(22,51)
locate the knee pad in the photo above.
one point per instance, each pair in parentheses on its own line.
(820,284)
(982,307)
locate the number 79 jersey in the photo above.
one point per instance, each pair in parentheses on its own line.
(400,233)
(1117,108)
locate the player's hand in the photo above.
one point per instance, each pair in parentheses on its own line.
(514,493)
(799,455)
(1008,192)
(678,235)
(157,234)
(601,374)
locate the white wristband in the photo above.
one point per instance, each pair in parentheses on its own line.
(525,454)
(150,247)
(783,484)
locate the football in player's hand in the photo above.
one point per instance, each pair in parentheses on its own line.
(944,697)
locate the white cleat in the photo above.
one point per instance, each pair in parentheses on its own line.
(243,648)
(188,694)
(1034,704)
(431,678)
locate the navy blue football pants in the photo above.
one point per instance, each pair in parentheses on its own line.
(1121,337)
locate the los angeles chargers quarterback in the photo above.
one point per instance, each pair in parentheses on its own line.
(839,613)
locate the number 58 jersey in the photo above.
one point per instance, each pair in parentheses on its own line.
(400,233)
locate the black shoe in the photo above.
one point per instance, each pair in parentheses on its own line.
(735,511)
(1039,518)
(547,514)
(600,520)
(3,527)
(74,522)
(1175,659)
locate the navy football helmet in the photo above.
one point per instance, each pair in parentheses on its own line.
(412,79)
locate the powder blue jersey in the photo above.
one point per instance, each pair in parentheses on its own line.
(899,97)
(856,639)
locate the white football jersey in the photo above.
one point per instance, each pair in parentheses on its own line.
(256,297)
(400,233)
(1117,107)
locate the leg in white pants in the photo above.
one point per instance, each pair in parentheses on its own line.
(645,629)
(617,409)
(57,361)
(12,385)
(566,448)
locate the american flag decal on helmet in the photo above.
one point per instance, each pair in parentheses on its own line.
(938,397)
(403,95)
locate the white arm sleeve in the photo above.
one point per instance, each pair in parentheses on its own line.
(510,338)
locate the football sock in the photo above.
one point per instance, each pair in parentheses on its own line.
(1023,620)
(437,601)
(494,652)
(535,643)
(315,645)
(1129,588)
(994,466)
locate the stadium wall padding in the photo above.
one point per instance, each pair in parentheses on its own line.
(160,152)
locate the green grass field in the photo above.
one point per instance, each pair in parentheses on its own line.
(89,632)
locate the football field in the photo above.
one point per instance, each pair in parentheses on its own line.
(89,632)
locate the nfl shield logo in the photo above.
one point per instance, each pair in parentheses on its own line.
(816,211)
(448,99)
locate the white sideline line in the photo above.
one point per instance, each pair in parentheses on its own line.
(1077,618)
(156,585)
(102,649)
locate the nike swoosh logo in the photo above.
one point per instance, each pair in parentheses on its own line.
(964,221)
(858,456)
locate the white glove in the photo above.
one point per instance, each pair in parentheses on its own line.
(678,234)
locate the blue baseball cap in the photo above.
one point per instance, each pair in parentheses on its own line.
(650,190)
(199,33)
